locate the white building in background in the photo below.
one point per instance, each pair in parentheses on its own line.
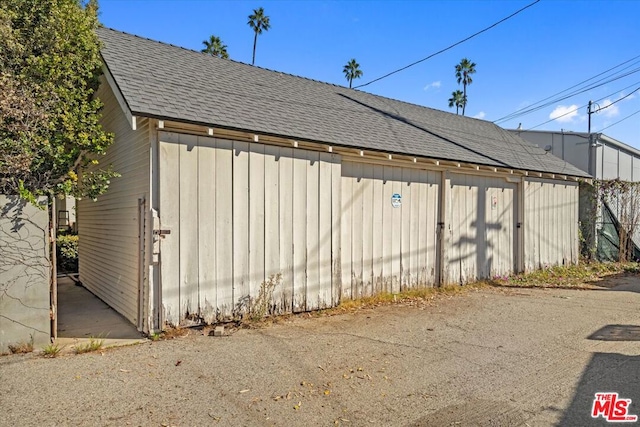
(606,158)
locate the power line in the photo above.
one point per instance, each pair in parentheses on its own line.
(583,90)
(449,47)
(578,108)
(621,120)
(530,108)
(617,100)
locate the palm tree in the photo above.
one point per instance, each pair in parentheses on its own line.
(215,47)
(463,73)
(352,71)
(258,22)
(457,99)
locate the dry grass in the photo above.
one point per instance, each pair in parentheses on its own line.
(581,276)
(169,334)
(94,344)
(409,296)
(22,347)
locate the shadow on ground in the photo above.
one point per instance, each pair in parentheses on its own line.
(617,333)
(82,315)
(606,372)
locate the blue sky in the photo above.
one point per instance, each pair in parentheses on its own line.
(547,48)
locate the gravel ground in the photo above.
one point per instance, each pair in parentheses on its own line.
(491,357)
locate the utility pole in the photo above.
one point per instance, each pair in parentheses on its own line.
(589,112)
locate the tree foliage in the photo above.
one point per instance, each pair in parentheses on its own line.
(352,71)
(464,70)
(215,47)
(457,100)
(258,22)
(49,68)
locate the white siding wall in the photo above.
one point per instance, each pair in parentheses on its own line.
(108,228)
(609,162)
(481,216)
(551,223)
(387,249)
(239,213)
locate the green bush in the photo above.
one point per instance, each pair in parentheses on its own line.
(67,253)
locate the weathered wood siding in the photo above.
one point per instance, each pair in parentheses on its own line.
(386,248)
(240,213)
(109,228)
(551,223)
(480,226)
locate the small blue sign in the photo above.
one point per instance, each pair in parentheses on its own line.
(396,200)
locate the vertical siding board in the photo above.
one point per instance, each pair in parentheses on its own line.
(463,236)
(299,230)
(170,219)
(565,224)
(426,212)
(367,230)
(574,224)
(256,241)
(356,248)
(494,218)
(511,237)
(529,241)
(207,229)
(464,212)
(325,231)
(336,228)
(378,208)
(396,232)
(433,208)
(188,226)
(285,194)
(405,229)
(240,226)
(415,219)
(546,240)
(452,247)
(387,238)
(271,221)
(224,228)
(569,222)
(434,192)
(312,227)
(346,229)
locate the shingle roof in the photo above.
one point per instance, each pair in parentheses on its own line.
(165,81)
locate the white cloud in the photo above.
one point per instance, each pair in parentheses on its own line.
(564,113)
(608,110)
(434,85)
(480,115)
(628,97)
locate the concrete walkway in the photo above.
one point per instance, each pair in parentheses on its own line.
(82,315)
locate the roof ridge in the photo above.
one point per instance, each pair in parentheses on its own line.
(294,75)
(229,59)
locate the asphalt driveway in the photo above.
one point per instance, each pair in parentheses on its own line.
(490,357)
